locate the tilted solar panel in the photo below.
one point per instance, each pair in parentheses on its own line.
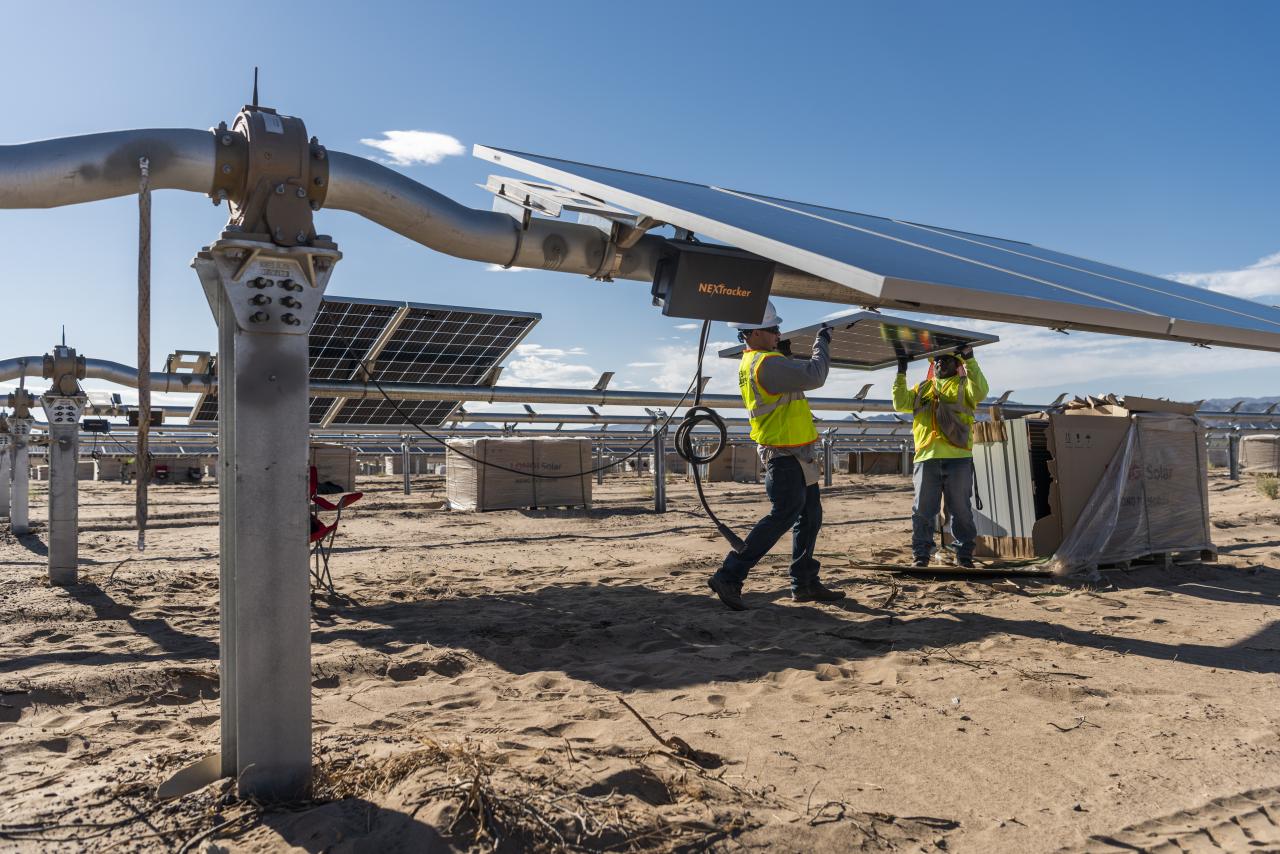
(867,340)
(399,342)
(914,267)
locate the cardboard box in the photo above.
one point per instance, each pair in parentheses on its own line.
(472,485)
(736,463)
(1039,475)
(334,464)
(1260,454)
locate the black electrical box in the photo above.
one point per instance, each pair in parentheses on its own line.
(157,417)
(712,283)
(95,425)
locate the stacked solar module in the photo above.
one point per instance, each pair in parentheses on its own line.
(399,343)
(868,340)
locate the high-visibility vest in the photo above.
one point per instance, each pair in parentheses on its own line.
(777,420)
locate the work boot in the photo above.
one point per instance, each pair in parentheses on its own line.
(730,594)
(966,562)
(815,592)
(920,562)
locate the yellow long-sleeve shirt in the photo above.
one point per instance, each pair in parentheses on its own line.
(930,443)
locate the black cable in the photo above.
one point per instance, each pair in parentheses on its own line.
(696,416)
(424,431)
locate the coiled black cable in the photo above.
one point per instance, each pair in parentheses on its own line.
(695,417)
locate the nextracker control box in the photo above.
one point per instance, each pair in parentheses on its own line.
(712,283)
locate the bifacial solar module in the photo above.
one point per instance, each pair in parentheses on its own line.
(866,340)
(917,267)
(399,342)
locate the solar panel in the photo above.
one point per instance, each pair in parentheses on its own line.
(918,267)
(399,342)
(867,340)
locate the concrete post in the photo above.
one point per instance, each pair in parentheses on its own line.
(1233,454)
(265,300)
(20,474)
(660,470)
(63,414)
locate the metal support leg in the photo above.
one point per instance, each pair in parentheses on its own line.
(906,460)
(660,471)
(20,474)
(63,414)
(826,460)
(404,465)
(599,463)
(6,469)
(1233,455)
(264,299)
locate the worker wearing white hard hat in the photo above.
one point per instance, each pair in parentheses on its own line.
(773,387)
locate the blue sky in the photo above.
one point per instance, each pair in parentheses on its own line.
(1143,134)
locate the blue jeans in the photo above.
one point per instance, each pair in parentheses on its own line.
(796,506)
(934,480)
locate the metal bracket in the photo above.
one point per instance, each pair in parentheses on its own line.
(269,288)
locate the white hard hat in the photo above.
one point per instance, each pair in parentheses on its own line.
(770,319)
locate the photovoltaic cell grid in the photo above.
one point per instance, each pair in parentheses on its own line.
(441,345)
(416,343)
(867,340)
(918,267)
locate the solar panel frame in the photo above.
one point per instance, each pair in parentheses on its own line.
(913,267)
(873,334)
(477,341)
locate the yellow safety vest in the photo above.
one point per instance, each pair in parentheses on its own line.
(777,420)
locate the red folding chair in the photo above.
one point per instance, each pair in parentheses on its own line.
(322,535)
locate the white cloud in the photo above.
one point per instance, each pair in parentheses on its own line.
(689,326)
(1260,279)
(415,147)
(498,268)
(535,365)
(532,350)
(644,364)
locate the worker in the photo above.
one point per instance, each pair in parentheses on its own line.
(773,388)
(943,408)
(127,470)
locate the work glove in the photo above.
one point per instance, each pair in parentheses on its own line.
(824,333)
(902,364)
(964,351)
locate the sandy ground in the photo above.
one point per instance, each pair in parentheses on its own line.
(467,695)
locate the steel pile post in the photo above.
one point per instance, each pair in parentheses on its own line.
(599,463)
(1233,454)
(828,440)
(906,460)
(404,465)
(659,469)
(265,298)
(63,414)
(6,466)
(20,476)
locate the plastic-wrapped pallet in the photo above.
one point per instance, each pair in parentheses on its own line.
(335,465)
(1260,454)
(471,485)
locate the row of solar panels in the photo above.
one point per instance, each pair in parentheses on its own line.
(399,342)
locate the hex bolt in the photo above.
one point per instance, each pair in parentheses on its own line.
(279,189)
(261,282)
(319,181)
(291,320)
(290,285)
(300,193)
(262,299)
(226,139)
(301,237)
(261,317)
(290,302)
(226,168)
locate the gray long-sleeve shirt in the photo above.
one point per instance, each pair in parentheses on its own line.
(779,376)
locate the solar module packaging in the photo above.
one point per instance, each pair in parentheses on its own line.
(1260,454)
(335,467)
(736,463)
(1041,477)
(497,474)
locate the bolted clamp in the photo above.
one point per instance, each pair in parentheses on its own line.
(65,368)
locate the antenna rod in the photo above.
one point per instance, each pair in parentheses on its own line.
(255,85)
